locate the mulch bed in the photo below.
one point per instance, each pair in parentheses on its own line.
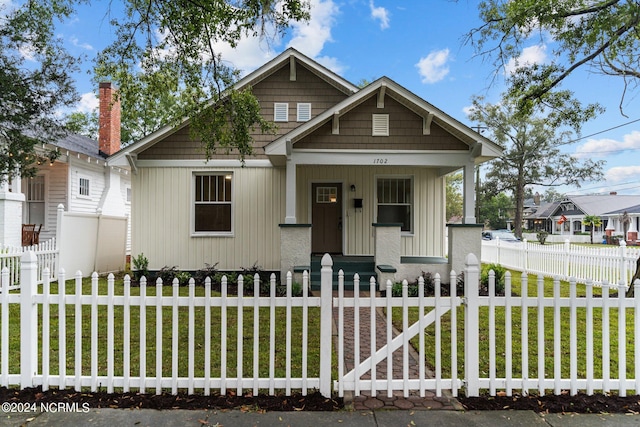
(580,403)
(296,402)
(564,403)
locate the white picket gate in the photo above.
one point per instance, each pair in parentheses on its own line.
(131,348)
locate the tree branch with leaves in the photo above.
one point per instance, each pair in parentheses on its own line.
(592,35)
(168,68)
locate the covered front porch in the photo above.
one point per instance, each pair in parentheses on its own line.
(392,215)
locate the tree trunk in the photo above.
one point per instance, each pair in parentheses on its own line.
(519,196)
(633,279)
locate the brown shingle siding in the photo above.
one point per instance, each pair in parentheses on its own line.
(277,87)
(405,131)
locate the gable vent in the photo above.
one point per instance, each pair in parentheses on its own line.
(280,112)
(380,124)
(304,112)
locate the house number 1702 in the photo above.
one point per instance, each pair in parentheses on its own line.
(380,161)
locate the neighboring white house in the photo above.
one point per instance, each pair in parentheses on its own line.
(78,179)
(350,171)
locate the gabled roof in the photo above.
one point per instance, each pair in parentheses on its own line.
(544,211)
(602,204)
(251,79)
(489,150)
(630,210)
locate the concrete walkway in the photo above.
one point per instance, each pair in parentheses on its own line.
(235,418)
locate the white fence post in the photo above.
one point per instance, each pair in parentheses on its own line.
(471,324)
(567,258)
(326,322)
(28,319)
(623,262)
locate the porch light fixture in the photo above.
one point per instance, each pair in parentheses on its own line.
(353,188)
(227,177)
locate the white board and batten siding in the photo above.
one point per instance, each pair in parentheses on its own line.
(427,238)
(163,225)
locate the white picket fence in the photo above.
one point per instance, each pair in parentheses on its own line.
(597,263)
(134,340)
(47,254)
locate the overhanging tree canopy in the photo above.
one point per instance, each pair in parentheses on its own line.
(600,36)
(35,81)
(167,66)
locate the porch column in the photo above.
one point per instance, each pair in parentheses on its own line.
(468,207)
(610,228)
(632,233)
(464,239)
(295,250)
(290,204)
(10,215)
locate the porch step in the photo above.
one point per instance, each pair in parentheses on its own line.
(350,265)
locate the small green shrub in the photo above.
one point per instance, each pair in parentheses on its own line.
(209,270)
(499,272)
(542,236)
(141,266)
(167,274)
(183,277)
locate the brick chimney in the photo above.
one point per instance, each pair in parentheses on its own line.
(109,120)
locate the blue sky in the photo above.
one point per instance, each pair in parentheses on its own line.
(418,44)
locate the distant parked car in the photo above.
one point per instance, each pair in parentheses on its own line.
(503,235)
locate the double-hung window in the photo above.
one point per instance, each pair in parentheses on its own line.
(212,203)
(395,201)
(84,187)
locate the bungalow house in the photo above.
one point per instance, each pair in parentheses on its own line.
(357,172)
(565,217)
(79,179)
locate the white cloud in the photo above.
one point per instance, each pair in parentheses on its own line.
(433,67)
(531,55)
(608,147)
(307,37)
(381,14)
(74,41)
(468,110)
(310,37)
(28,52)
(622,174)
(88,102)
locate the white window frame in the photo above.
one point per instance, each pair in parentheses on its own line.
(411,203)
(379,125)
(127,195)
(28,200)
(304,111)
(280,112)
(80,187)
(194,202)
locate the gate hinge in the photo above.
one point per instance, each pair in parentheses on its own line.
(463,300)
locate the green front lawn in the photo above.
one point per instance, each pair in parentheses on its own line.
(532,340)
(168,340)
